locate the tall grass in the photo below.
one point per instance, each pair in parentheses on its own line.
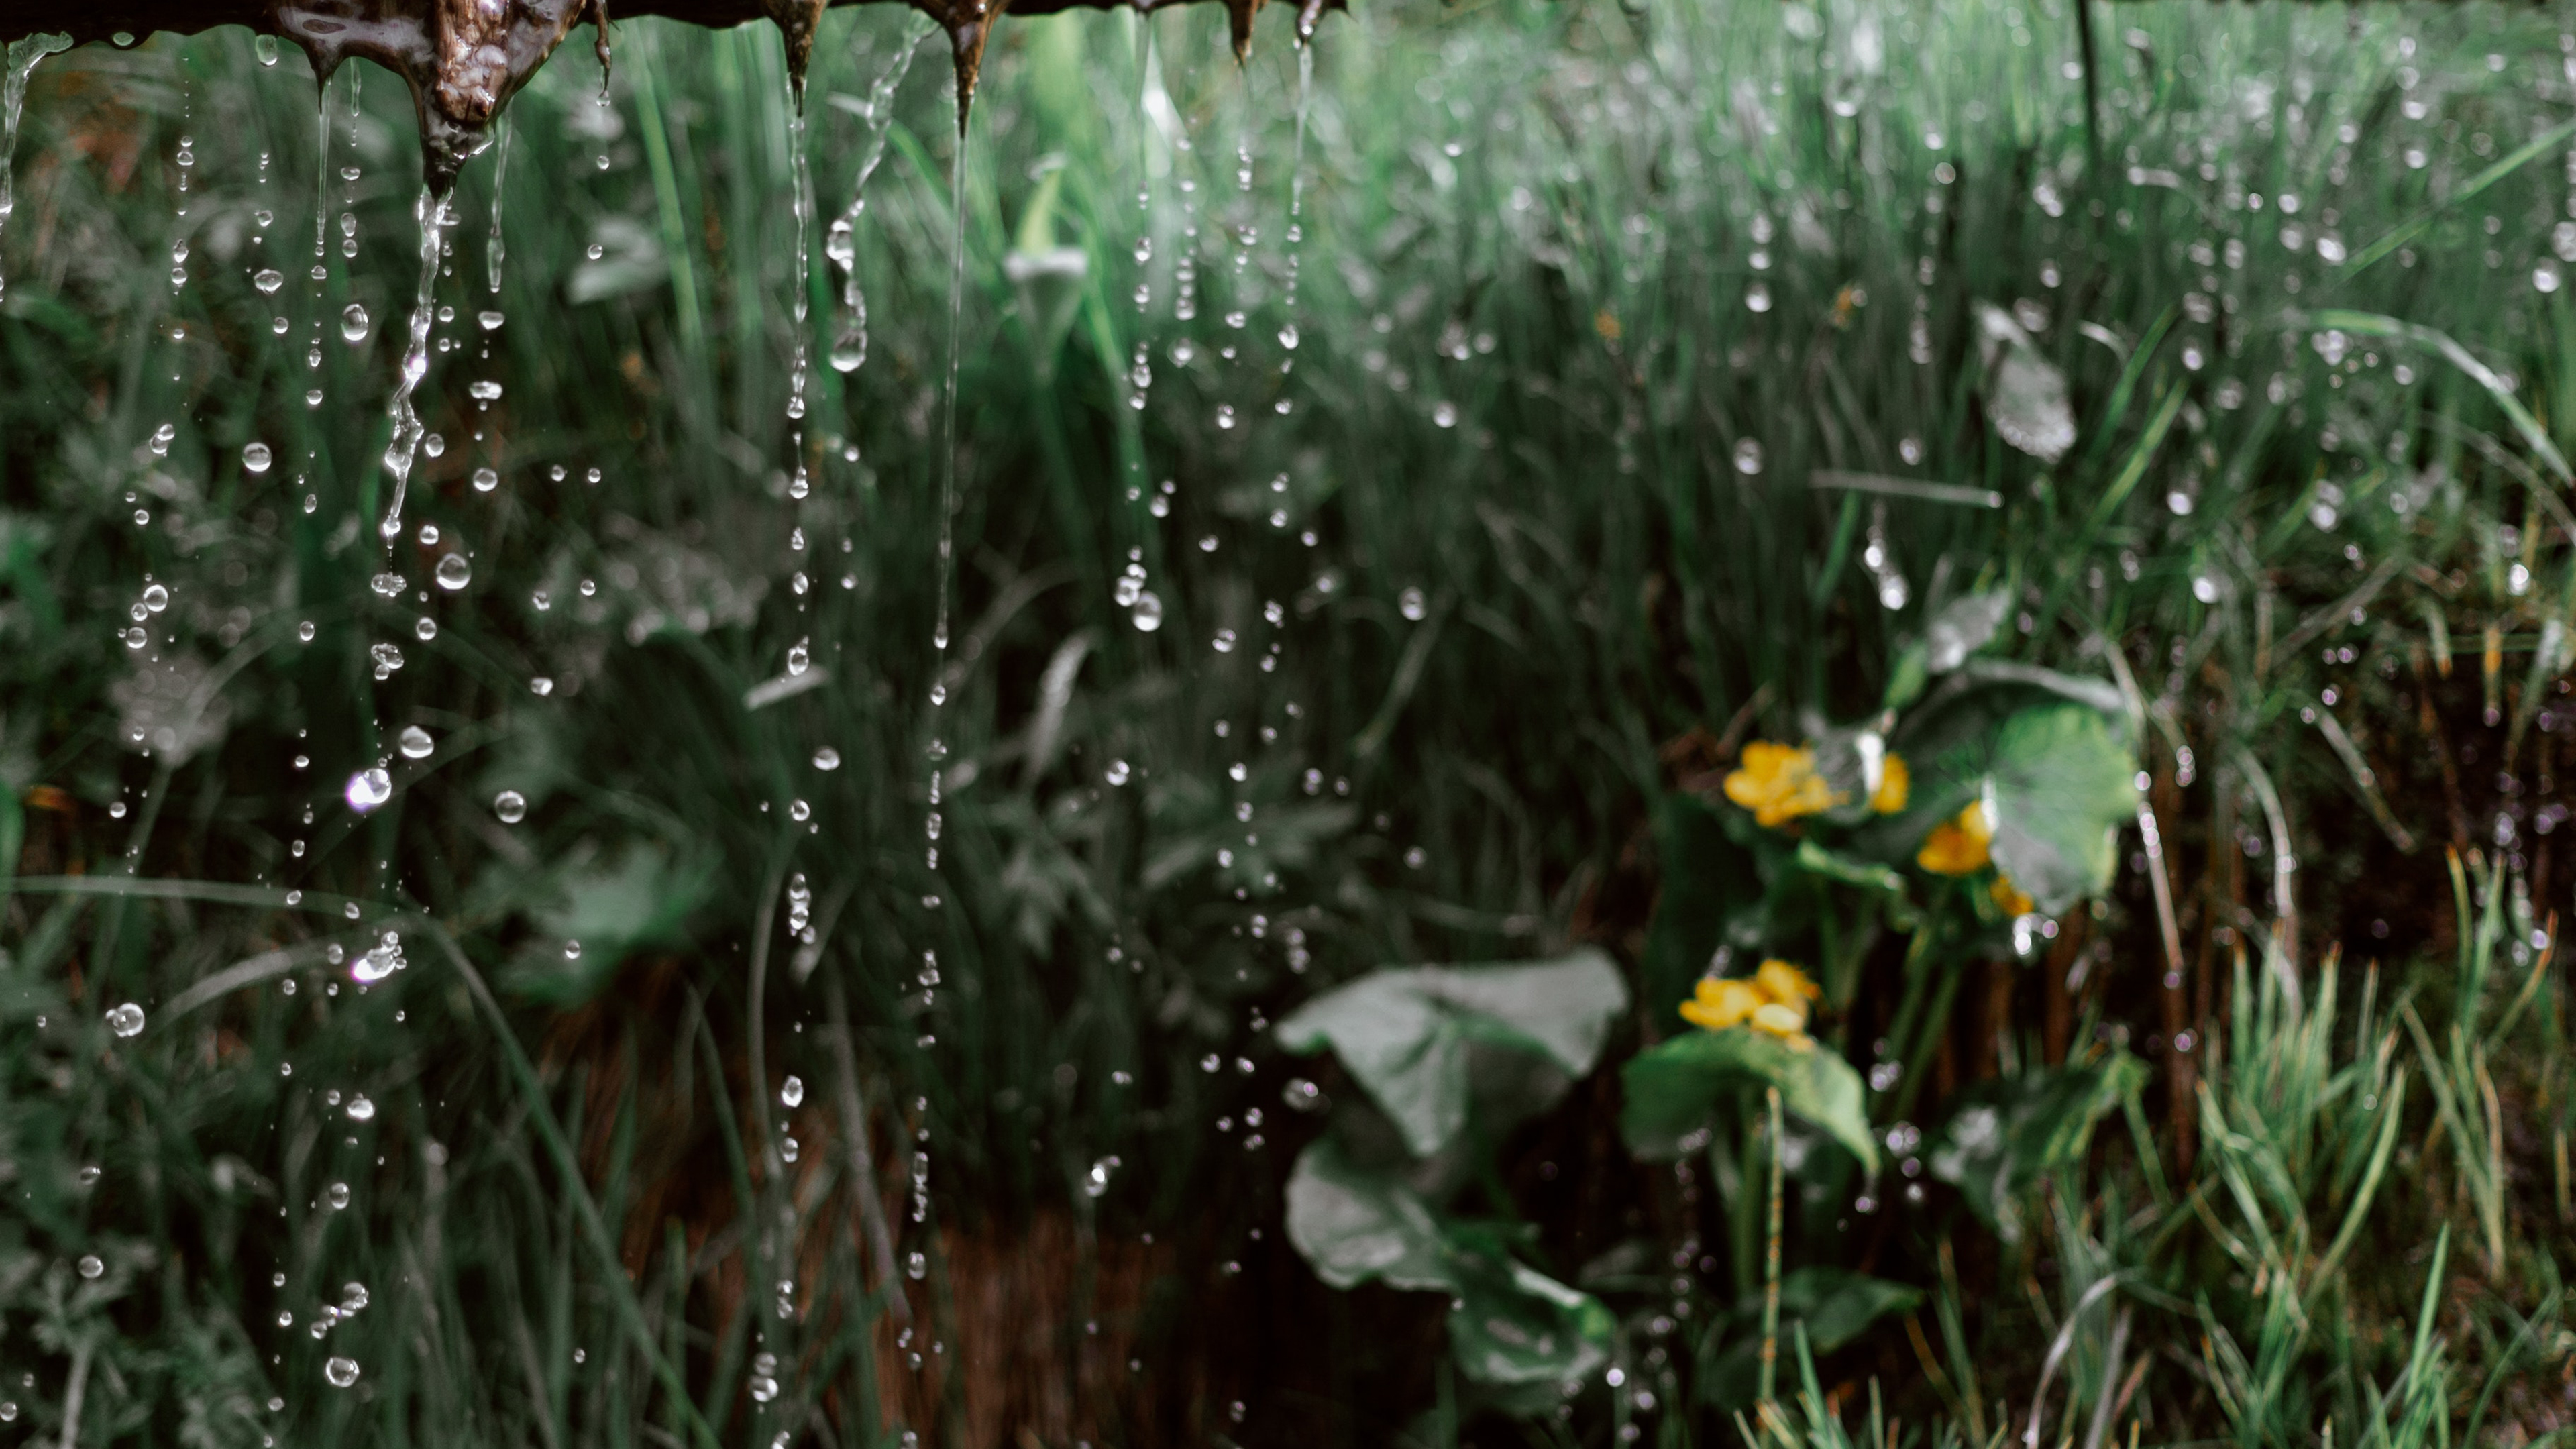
(1593,302)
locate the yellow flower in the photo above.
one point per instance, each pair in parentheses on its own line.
(1785,984)
(1958,846)
(1894,783)
(1717,1005)
(1789,1025)
(2009,896)
(1779,783)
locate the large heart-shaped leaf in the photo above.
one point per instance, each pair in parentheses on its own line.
(1672,1088)
(1407,1034)
(2006,1135)
(1508,1323)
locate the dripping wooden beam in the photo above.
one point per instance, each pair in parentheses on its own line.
(464,59)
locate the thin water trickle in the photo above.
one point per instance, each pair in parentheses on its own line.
(432,213)
(20,59)
(850,333)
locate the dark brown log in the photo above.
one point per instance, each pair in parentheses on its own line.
(465,58)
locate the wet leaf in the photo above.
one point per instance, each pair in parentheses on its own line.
(1509,1323)
(1836,1306)
(2025,393)
(2005,1135)
(1406,1033)
(1672,1088)
(2063,786)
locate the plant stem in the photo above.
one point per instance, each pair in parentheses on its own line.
(1771,1258)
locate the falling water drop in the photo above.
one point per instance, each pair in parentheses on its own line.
(125,1020)
(368,789)
(510,806)
(454,572)
(353,324)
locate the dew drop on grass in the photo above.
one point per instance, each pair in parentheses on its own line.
(125,1020)
(799,658)
(155,597)
(337,1196)
(368,789)
(353,1296)
(510,806)
(1148,613)
(918,1266)
(386,584)
(827,758)
(485,480)
(1748,457)
(454,572)
(791,1092)
(255,458)
(361,1110)
(353,324)
(342,1372)
(1411,605)
(305,631)
(268,280)
(1444,414)
(414,743)
(1117,773)
(90,1266)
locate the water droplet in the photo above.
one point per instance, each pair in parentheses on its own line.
(510,806)
(1411,605)
(305,631)
(799,658)
(414,743)
(361,1110)
(1225,415)
(1096,1181)
(353,324)
(827,758)
(484,390)
(490,321)
(918,1266)
(2545,278)
(1758,297)
(1288,336)
(91,1267)
(485,480)
(342,1372)
(1223,643)
(1748,457)
(155,598)
(1148,613)
(256,458)
(126,1020)
(337,1195)
(454,572)
(386,585)
(1445,414)
(268,280)
(368,789)
(799,811)
(1117,773)
(791,1092)
(265,47)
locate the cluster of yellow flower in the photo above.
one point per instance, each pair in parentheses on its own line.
(1780,783)
(1773,1002)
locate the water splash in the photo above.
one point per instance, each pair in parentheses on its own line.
(20,60)
(850,337)
(433,214)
